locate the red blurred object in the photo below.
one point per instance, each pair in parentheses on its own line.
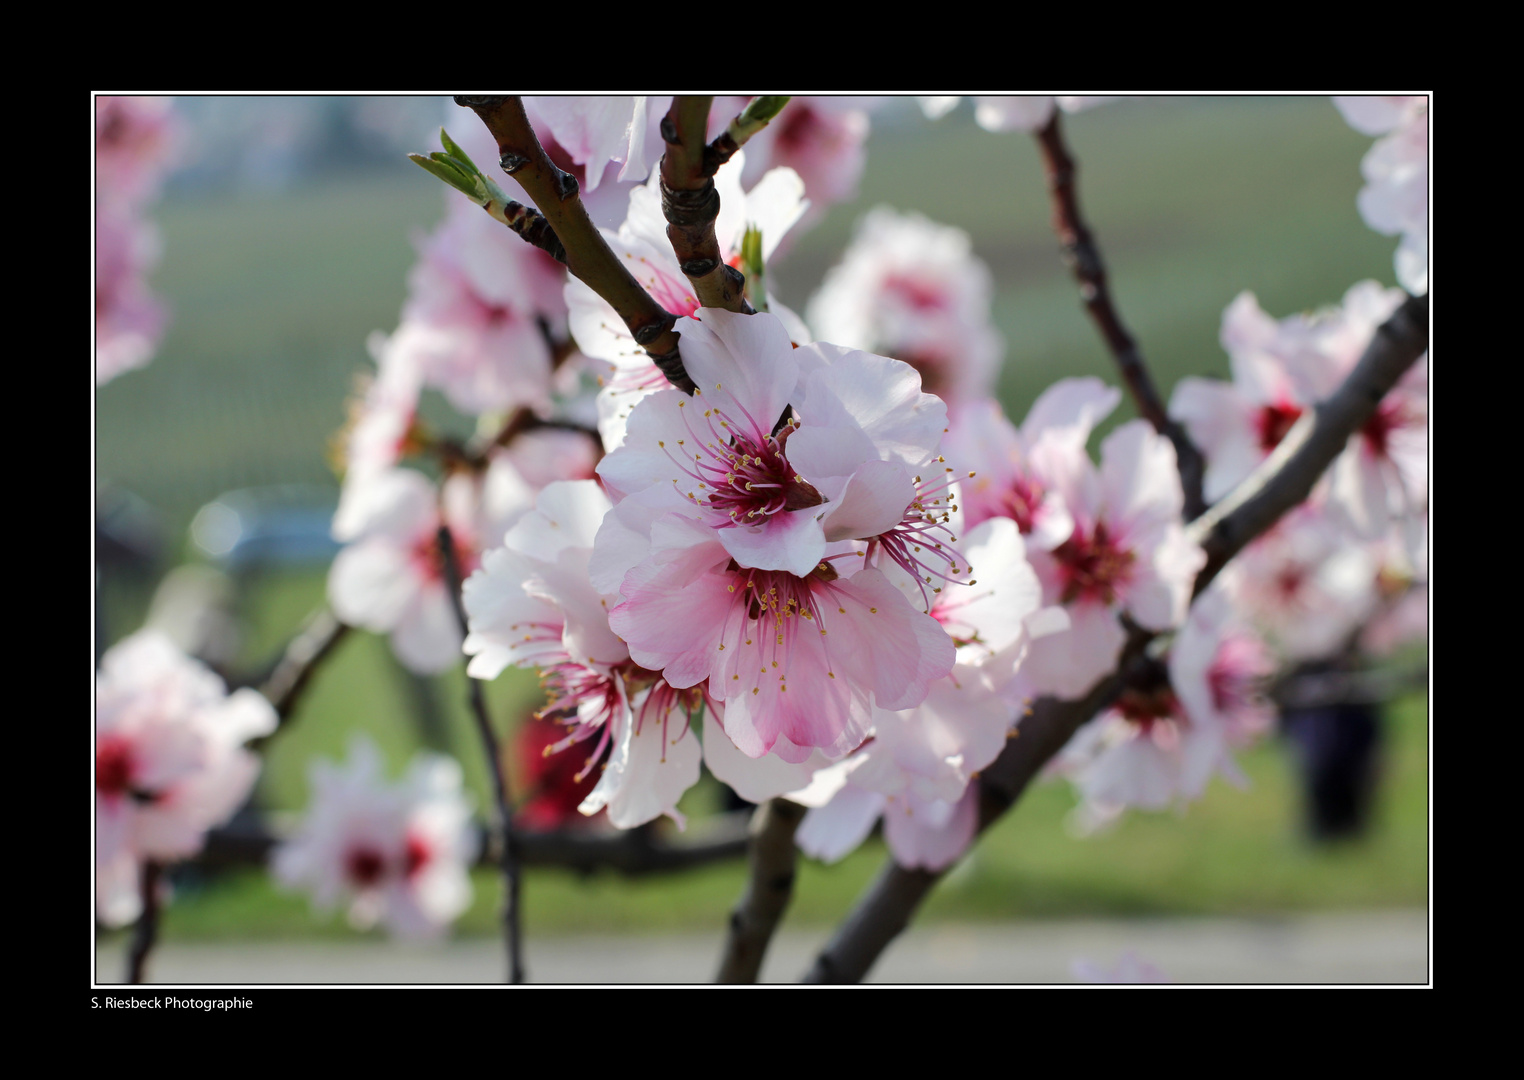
(554,790)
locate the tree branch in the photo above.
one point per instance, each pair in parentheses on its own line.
(1084,259)
(287,680)
(631,852)
(886,908)
(146,933)
(588,256)
(690,203)
(1283,481)
(769,888)
(511,921)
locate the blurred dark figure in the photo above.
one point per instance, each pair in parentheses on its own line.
(1335,731)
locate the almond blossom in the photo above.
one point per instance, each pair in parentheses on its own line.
(822,139)
(129,320)
(134,141)
(489,300)
(726,549)
(1161,742)
(398,854)
(1128,552)
(1304,584)
(169,762)
(912,289)
(917,766)
(773,205)
(1237,424)
(532,604)
(1395,198)
(1280,369)
(390,578)
(1017,471)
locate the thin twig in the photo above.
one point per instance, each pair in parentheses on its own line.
(769,887)
(287,680)
(630,852)
(511,922)
(588,255)
(691,203)
(747,123)
(146,933)
(1084,259)
(885,909)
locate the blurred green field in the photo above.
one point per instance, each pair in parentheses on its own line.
(1192,202)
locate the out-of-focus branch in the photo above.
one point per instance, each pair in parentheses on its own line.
(1285,479)
(1316,689)
(310,647)
(769,888)
(146,932)
(588,256)
(1084,259)
(511,920)
(690,203)
(631,852)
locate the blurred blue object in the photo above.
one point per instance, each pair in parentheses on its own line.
(283,525)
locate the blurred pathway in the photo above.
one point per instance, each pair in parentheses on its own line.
(1374,947)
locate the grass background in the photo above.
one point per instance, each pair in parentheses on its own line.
(1192,200)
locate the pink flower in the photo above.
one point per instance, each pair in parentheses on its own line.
(773,205)
(1305,584)
(135,139)
(823,139)
(1160,744)
(532,605)
(484,295)
(1237,424)
(398,854)
(391,577)
(912,289)
(169,762)
(129,320)
(1017,473)
(1127,552)
(1395,198)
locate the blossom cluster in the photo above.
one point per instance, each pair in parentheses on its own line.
(815,578)
(170,762)
(836,571)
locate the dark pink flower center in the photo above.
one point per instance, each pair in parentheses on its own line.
(364,866)
(1275,421)
(744,472)
(1378,429)
(1093,567)
(797,127)
(917,294)
(1021,501)
(113,766)
(417,855)
(1145,708)
(428,560)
